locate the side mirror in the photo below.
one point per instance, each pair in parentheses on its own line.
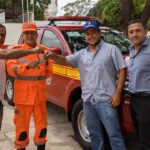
(55,50)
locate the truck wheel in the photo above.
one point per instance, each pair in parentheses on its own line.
(9,89)
(80,129)
(79,126)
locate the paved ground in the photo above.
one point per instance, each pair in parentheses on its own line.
(60,134)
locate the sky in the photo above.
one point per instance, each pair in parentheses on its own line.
(62,3)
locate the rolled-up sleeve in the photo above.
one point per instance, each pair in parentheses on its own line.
(118,58)
(73,59)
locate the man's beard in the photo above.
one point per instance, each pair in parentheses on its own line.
(96,43)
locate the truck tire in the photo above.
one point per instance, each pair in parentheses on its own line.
(79,126)
(9,90)
(80,129)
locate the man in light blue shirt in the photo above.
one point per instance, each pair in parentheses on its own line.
(98,66)
(139,80)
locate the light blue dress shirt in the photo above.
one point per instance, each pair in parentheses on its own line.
(98,72)
(139,69)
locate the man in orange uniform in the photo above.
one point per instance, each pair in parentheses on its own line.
(30,90)
(6,53)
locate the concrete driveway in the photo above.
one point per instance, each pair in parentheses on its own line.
(60,134)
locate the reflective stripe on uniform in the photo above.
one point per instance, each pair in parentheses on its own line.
(15,70)
(19,146)
(22,60)
(31,78)
(39,143)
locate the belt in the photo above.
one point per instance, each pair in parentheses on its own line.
(140,94)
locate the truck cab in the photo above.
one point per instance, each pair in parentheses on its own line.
(64,35)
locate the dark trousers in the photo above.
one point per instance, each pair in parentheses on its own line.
(1,113)
(140,109)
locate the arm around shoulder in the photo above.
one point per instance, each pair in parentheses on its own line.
(17,53)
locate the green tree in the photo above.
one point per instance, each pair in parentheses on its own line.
(40,6)
(96,10)
(110,12)
(146,12)
(125,6)
(5,4)
(16,5)
(79,7)
(114,13)
(137,9)
(134,9)
(117,13)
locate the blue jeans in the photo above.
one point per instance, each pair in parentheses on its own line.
(103,113)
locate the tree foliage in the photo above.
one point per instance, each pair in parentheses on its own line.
(137,9)
(40,7)
(114,13)
(79,7)
(96,10)
(110,12)
(117,13)
(16,5)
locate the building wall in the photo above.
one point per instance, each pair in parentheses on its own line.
(14,31)
(2,15)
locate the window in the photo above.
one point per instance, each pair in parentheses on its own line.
(75,39)
(50,39)
(117,39)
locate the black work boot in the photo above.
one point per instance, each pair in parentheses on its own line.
(41,147)
(21,149)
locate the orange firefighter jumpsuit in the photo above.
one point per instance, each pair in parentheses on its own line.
(30,92)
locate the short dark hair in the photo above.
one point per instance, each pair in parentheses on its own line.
(2,26)
(137,21)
